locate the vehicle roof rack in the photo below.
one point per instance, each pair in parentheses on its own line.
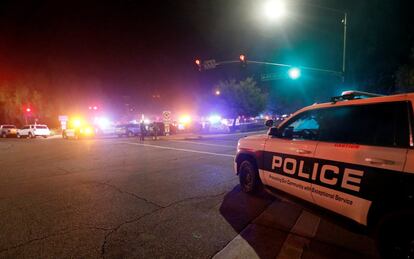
(352,95)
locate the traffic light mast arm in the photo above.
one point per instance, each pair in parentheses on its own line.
(337,73)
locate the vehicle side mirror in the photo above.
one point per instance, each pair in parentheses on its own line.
(269,123)
(275,132)
(288,132)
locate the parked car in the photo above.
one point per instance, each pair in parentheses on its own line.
(32,131)
(8,130)
(128,130)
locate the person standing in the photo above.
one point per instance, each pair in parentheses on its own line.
(155,130)
(142,131)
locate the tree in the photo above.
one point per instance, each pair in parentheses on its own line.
(16,96)
(242,98)
(405,75)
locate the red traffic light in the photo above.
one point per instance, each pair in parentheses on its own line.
(198,63)
(242,58)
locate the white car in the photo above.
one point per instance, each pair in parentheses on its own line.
(32,131)
(353,157)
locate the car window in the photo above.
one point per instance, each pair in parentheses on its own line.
(380,124)
(41,127)
(8,127)
(302,126)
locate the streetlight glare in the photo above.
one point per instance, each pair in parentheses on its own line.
(294,73)
(275,9)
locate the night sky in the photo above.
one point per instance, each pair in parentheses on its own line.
(102,51)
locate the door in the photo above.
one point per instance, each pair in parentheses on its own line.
(288,156)
(361,154)
(24,131)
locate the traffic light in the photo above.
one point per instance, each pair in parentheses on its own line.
(243,60)
(294,73)
(198,63)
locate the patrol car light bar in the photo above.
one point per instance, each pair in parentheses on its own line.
(351,95)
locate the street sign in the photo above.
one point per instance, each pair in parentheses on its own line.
(63,117)
(63,121)
(209,64)
(270,77)
(166,116)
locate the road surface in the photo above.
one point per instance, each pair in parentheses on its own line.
(172,198)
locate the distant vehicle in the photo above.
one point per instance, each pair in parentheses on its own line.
(8,130)
(128,130)
(160,127)
(32,131)
(78,128)
(345,157)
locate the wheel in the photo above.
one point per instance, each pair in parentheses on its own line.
(4,135)
(249,177)
(395,238)
(18,135)
(30,135)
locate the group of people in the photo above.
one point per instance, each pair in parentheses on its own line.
(152,130)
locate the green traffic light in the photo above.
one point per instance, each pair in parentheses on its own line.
(294,73)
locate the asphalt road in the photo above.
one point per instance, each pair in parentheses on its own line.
(118,198)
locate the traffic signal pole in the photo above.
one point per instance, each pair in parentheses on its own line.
(220,63)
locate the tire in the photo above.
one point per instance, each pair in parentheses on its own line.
(4,135)
(30,135)
(249,177)
(18,135)
(395,238)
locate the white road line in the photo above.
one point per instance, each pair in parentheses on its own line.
(206,144)
(300,236)
(179,149)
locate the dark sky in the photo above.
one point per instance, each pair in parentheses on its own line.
(103,50)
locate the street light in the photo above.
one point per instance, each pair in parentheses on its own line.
(294,73)
(275,9)
(217,92)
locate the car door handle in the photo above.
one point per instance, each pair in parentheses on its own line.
(303,151)
(379,161)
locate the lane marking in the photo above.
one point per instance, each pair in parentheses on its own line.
(179,149)
(300,236)
(206,144)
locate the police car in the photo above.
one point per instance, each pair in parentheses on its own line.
(353,156)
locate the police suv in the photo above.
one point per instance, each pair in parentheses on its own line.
(353,156)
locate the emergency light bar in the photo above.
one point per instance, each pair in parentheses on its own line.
(351,95)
